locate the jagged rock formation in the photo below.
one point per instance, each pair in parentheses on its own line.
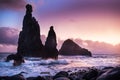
(18,59)
(29,43)
(71,48)
(50,45)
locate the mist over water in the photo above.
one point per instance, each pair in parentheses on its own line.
(37,66)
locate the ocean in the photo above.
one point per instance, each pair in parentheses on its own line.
(36,66)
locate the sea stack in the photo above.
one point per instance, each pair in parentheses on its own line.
(29,42)
(50,44)
(69,47)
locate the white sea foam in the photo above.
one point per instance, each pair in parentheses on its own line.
(37,66)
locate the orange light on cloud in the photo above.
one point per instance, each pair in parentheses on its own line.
(101,27)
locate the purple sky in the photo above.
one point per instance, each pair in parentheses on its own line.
(94,20)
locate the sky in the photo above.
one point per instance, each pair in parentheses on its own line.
(95,20)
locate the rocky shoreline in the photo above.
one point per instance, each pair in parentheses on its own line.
(107,73)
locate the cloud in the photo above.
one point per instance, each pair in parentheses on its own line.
(66,7)
(12,4)
(8,48)
(94,46)
(97,47)
(8,35)
(9,38)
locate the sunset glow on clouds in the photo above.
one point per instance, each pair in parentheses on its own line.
(94,20)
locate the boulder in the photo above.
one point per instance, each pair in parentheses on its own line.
(71,48)
(62,78)
(14,77)
(39,78)
(110,74)
(29,42)
(50,45)
(91,75)
(62,75)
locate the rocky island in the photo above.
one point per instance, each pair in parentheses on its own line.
(71,48)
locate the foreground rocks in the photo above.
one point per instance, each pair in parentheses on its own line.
(91,74)
(71,48)
(110,74)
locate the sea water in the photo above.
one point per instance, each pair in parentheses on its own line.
(38,67)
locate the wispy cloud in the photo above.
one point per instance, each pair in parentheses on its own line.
(95,47)
(9,38)
(8,35)
(12,4)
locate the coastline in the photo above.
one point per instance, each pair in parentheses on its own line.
(107,73)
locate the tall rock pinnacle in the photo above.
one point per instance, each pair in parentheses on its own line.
(50,44)
(29,43)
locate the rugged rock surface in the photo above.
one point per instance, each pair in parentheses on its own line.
(18,59)
(29,43)
(71,48)
(110,74)
(50,45)
(89,74)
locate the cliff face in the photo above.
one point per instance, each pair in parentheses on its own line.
(50,44)
(71,48)
(29,43)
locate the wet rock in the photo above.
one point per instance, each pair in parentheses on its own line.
(39,78)
(62,78)
(91,75)
(71,48)
(15,77)
(77,75)
(10,57)
(50,45)
(108,68)
(18,59)
(62,74)
(111,74)
(29,42)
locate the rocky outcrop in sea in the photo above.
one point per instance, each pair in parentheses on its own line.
(71,48)
(50,45)
(29,42)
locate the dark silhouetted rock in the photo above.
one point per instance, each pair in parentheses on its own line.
(71,48)
(29,43)
(39,78)
(14,77)
(62,78)
(10,57)
(18,59)
(50,45)
(111,74)
(91,75)
(62,75)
